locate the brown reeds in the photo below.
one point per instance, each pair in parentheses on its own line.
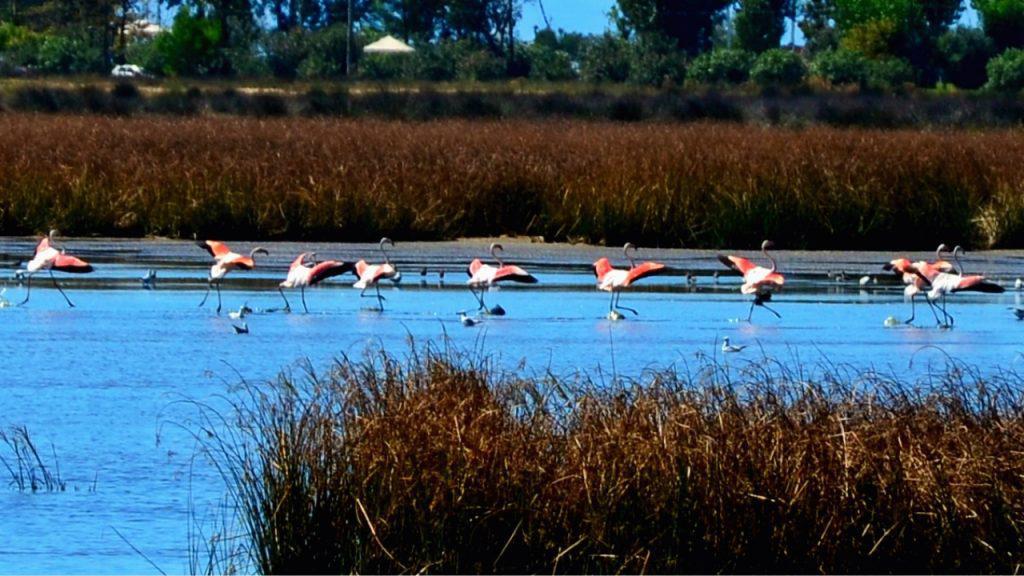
(696,185)
(437,463)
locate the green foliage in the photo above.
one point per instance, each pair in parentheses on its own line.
(70,55)
(889,73)
(1006,71)
(656,62)
(721,66)
(841,67)
(607,59)
(386,66)
(690,23)
(478,65)
(874,38)
(325,56)
(549,63)
(285,52)
(1003,21)
(19,45)
(779,67)
(963,55)
(760,24)
(818,26)
(191,47)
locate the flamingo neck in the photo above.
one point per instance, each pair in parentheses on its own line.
(775,266)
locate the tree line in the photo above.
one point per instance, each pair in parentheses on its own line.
(884,43)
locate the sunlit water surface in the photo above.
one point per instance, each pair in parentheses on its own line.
(108,385)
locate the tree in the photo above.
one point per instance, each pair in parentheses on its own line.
(237,27)
(418,20)
(818,25)
(1003,21)
(689,23)
(964,54)
(760,24)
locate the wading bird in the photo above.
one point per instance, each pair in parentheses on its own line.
(301,274)
(483,276)
(943,283)
(372,274)
(225,261)
(614,280)
(916,283)
(757,280)
(149,280)
(49,258)
(731,348)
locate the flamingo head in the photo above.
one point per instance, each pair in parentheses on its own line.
(495,247)
(938,251)
(766,245)
(898,265)
(258,250)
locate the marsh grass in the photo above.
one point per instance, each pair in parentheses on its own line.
(692,185)
(437,462)
(27,467)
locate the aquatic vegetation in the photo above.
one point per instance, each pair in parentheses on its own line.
(437,462)
(693,185)
(28,469)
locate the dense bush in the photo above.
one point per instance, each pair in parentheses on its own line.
(656,62)
(285,52)
(1006,71)
(550,64)
(190,48)
(964,53)
(841,67)
(721,66)
(888,74)
(70,55)
(325,56)
(607,58)
(779,67)
(1003,21)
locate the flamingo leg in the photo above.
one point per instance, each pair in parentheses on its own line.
(57,286)
(935,312)
(287,306)
(302,292)
(209,283)
(218,298)
(380,299)
(913,312)
(28,291)
(479,297)
(768,308)
(751,313)
(618,304)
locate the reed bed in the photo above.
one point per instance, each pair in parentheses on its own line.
(692,185)
(436,462)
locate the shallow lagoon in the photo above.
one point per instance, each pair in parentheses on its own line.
(104,383)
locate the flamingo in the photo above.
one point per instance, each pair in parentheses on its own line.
(372,274)
(225,261)
(757,280)
(614,280)
(943,283)
(49,258)
(301,275)
(915,283)
(484,276)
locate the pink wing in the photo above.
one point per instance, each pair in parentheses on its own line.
(65,263)
(514,274)
(44,244)
(242,262)
(328,269)
(473,267)
(214,248)
(602,267)
(741,265)
(643,271)
(978,284)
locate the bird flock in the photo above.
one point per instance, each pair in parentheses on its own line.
(935,280)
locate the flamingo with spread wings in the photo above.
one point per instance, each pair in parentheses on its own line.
(225,261)
(301,274)
(47,257)
(484,276)
(943,283)
(614,280)
(757,280)
(916,283)
(372,274)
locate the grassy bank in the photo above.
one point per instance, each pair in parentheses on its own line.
(696,185)
(513,101)
(437,463)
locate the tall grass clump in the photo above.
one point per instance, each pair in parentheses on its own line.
(28,469)
(439,463)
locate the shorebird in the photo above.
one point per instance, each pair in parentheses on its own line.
(615,280)
(731,348)
(49,258)
(372,274)
(240,313)
(943,283)
(149,279)
(1018,284)
(757,280)
(484,276)
(867,279)
(916,283)
(224,261)
(301,274)
(467,321)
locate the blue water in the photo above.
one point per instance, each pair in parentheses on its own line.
(105,384)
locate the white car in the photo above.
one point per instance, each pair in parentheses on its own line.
(128,71)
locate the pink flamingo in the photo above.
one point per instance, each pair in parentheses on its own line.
(757,280)
(943,283)
(372,274)
(301,275)
(225,261)
(483,276)
(614,280)
(915,283)
(49,258)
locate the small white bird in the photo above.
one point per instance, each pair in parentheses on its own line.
(243,329)
(242,311)
(865,280)
(149,280)
(730,348)
(1019,284)
(467,321)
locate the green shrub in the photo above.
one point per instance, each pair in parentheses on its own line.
(607,58)
(779,67)
(1003,21)
(326,53)
(721,66)
(285,51)
(385,66)
(479,65)
(1006,71)
(656,62)
(70,55)
(190,48)
(889,73)
(963,54)
(840,67)
(551,64)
